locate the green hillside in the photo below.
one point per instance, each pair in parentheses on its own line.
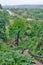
(18,34)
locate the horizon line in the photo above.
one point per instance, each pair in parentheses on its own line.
(19,4)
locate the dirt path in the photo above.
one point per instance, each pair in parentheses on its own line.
(37,62)
(14,14)
(26,52)
(11,13)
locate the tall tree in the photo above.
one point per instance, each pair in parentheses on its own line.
(3,21)
(2,29)
(0,6)
(17,30)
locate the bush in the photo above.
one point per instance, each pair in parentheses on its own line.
(11,57)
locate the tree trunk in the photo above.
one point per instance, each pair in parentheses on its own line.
(17,38)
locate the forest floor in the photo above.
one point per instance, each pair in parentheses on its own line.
(26,52)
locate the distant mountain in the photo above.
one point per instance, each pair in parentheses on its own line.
(23,6)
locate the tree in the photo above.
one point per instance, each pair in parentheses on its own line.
(17,29)
(0,6)
(2,29)
(3,22)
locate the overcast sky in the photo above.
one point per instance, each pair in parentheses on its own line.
(18,2)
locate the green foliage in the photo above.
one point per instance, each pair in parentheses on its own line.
(11,57)
(32,41)
(19,25)
(2,29)
(34,14)
(3,23)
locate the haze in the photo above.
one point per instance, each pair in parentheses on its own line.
(21,2)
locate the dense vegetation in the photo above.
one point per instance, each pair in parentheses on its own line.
(34,14)
(3,23)
(31,36)
(17,34)
(9,56)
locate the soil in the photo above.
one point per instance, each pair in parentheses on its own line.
(26,52)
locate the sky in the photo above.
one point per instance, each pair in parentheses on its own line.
(20,2)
